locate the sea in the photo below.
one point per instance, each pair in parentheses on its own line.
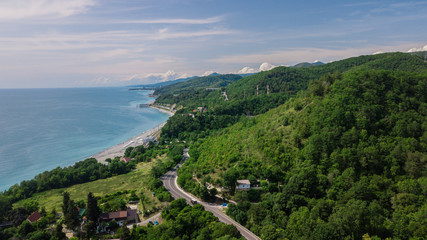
(41,129)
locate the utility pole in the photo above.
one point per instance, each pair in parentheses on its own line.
(268,90)
(257,90)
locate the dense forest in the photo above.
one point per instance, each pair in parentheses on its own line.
(342,159)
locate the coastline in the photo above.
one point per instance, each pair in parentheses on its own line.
(118,150)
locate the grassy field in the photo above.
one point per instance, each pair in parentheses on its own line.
(135,180)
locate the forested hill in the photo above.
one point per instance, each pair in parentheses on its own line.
(283,83)
(345,158)
(216,81)
(289,80)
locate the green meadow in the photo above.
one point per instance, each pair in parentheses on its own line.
(136,180)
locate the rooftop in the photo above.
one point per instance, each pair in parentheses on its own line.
(244,181)
(35,216)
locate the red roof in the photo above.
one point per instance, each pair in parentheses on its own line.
(114,215)
(35,216)
(119,215)
(125,159)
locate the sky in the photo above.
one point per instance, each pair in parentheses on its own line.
(90,43)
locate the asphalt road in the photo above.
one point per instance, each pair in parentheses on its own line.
(170,182)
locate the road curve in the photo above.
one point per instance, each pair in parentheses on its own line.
(170,182)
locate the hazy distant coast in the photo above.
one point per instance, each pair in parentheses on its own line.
(118,150)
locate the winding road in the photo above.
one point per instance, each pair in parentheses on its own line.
(170,182)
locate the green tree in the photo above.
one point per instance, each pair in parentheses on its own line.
(92,211)
(58,234)
(31,205)
(65,202)
(90,228)
(230,179)
(39,235)
(5,206)
(125,233)
(71,217)
(25,228)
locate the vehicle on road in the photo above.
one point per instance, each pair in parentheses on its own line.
(155,222)
(193,201)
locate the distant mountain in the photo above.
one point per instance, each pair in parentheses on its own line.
(307,64)
(160,84)
(193,89)
(211,81)
(420,54)
(214,74)
(246,74)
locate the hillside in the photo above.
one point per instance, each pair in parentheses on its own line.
(160,84)
(115,186)
(214,81)
(283,82)
(345,158)
(289,80)
(307,64)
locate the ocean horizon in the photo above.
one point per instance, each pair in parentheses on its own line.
(41,129)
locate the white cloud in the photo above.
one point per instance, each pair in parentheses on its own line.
(207,73)
(266,66)
(178,21)
(111,54)
(247,70)
(108,39)
(164,34)
(418,49)
(263,67)
(24,9)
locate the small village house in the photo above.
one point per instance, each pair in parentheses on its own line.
(34,217)
(243,185)
(121,217)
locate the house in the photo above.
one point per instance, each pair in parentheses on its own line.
(120,217)
(34,217)
(200,109)
(125,159)
(243,185)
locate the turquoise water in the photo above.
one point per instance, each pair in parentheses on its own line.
(41,129)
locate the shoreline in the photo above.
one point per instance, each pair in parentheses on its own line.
(118,150)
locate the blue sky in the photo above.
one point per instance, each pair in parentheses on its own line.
(80,43)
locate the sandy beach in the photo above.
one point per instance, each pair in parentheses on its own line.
(118,150)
